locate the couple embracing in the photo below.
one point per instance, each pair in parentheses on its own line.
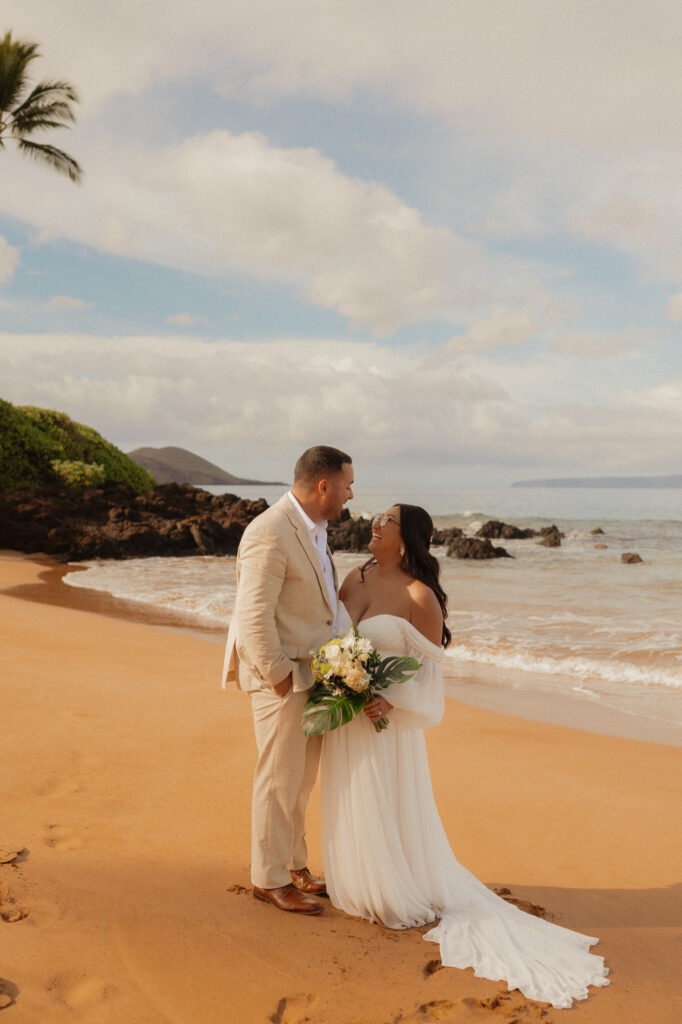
(386,855)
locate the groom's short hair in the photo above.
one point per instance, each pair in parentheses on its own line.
(318,462)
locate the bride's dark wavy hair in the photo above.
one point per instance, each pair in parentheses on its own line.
(416,529)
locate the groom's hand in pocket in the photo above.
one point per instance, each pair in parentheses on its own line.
(282,689)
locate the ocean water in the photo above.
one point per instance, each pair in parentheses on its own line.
(570,621)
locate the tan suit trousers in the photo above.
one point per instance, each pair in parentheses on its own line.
(285,775)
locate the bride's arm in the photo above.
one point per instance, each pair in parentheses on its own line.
(418,703)
(377,708)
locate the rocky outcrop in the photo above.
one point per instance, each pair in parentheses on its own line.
(348,534)
(630,558)
(495,530)
(113,521)
(551,537)
(474,547)
(441,537)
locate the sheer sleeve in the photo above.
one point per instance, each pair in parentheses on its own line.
(418,703)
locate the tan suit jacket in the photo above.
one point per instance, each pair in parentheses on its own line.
(283,610)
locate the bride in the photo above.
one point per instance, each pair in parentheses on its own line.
(386,855)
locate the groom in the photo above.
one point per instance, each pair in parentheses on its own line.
(286,607)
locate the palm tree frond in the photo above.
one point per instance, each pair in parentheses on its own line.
(46,115)
(26,51)
(20,131)
(47,106)
(15,58)
(56,158)
(61,91)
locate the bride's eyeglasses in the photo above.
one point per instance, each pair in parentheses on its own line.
(381,521)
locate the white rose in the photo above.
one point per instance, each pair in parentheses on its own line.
(332,652)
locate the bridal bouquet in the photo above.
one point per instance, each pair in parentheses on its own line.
(348,672)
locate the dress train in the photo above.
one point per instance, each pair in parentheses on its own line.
(387,857)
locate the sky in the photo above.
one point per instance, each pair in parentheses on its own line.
(444,237)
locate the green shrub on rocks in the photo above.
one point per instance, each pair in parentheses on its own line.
(79,474)
(41,446)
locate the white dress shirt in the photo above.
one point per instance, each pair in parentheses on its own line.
(318,535)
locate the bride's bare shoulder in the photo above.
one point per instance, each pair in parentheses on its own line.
(423,595)
(426,612)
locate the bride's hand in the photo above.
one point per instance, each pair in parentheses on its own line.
(377,708)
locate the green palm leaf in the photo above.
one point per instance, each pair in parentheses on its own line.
(394,670)
(325,711)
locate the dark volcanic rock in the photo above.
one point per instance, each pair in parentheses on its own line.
(494,530)
(113,522)
(551,537)
(348,534)
(596,530)
(445,536)
(630,558)
(473,547)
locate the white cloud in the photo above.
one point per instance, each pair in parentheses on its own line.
(585,72)
(505,326)
(64,302)
(666,398)
(637,209)
(597,345)
(221,204)
(185,319)
(401,410)
(9,259)
(674,307)
(553,121)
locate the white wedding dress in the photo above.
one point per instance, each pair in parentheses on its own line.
(387,858)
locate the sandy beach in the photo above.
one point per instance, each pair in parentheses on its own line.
(126,776)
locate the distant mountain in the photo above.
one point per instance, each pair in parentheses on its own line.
(605,481)
(177,465)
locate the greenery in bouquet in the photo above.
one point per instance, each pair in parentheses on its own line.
(348,671)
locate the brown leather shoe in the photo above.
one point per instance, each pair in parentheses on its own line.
(287,897)
(305,882)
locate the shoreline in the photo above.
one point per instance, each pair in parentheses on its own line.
(126,798)
(481,686)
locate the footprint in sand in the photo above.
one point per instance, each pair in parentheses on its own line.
(509,1005)
(11,856)
(82,994)
(10,913)
(60,837)
(87,993)
(530,908)
(8,993)
(431,967)
(437,1009)
(59,787)
(294,1009)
